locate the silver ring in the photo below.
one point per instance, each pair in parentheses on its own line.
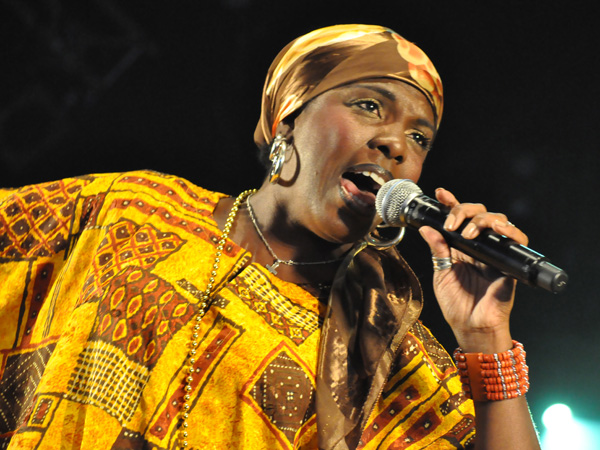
(441,263)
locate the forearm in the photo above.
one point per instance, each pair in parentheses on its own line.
(476,302)
(506,425)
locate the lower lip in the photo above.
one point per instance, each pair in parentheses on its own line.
(360,201)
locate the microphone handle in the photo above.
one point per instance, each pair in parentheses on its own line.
(496,250)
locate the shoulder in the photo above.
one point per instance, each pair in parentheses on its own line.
(161,185)
(97,198)
(164,191)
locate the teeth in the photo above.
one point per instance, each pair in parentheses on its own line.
(376,178)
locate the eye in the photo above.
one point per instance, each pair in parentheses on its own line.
(369,105)
(421,140)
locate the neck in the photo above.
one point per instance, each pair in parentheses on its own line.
(288,241)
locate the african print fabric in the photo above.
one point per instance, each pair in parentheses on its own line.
(100,277)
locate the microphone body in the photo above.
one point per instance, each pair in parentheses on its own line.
(401,203)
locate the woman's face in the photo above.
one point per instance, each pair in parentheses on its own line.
(348,142)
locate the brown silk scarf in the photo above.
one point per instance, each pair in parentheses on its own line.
(375,297)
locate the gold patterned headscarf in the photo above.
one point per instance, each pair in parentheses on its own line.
(334,56)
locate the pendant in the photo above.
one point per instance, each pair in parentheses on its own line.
(273,267)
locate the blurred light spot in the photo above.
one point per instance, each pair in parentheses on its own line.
(564,431)
(557,415)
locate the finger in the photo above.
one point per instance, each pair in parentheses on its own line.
(437,244)
(461,212)
(509,230)
(480,222)
(458,211)
(446,197)
(498,222)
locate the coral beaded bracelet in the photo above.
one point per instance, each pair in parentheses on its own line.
(495,376)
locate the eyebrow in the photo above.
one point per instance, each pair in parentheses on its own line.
(390,95)
(426,123)
(382,91)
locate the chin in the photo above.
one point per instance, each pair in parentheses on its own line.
(352,234)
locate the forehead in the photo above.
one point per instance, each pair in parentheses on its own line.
(389,87)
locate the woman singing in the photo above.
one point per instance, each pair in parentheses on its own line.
(140,311)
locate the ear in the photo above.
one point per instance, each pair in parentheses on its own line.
(286,128)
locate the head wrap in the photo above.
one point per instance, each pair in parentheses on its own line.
(334,56)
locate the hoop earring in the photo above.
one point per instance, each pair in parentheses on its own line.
(379,244)
(277,156)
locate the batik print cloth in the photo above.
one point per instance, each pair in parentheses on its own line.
(100,278)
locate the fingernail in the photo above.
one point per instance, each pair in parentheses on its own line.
(449,223)
(499,223)
(469,230)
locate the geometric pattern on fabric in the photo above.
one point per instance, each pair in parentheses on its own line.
(165,190)
(401,402)
(418,430)
(20,375)
(129,439)
(35,221)
(41,415)
(139,314)
(282,393)
(210,351)
(461,436)
(41,275)
(43,410)
(453,403)
(433,349)
(125,244)
(90,208)
(175,220)
(106,378)
(197,206)
(255,289)
(198,294)
(422,386)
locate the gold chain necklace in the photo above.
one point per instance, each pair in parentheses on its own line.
(276,260)
(204,304)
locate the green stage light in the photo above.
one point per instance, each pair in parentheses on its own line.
(557,416)
(566,431)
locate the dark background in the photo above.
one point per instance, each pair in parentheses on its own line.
(103,86)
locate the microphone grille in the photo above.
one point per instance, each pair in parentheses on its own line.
(391,197)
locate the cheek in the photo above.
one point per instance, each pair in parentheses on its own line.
(410,169)
(416,175)
(330,139)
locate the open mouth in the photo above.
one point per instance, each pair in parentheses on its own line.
(360,185)
(366,182)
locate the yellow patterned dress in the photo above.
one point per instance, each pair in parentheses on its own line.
(100,277)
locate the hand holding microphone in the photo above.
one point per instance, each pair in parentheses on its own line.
(402,203)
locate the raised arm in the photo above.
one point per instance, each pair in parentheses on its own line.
(476,301)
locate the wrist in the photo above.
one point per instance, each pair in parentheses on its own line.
(488,341)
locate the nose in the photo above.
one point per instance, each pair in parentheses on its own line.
(390,144)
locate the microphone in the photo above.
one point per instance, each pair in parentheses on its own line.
(402,203)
